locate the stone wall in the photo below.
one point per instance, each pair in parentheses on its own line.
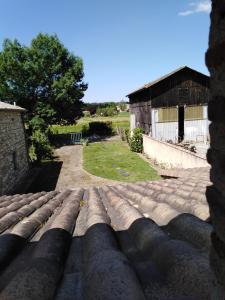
(215,60)
(13,152)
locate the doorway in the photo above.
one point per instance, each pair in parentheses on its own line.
(180,123)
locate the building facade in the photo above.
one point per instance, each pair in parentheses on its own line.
(14,162)
(173,108)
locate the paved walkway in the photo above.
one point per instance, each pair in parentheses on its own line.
(72,174)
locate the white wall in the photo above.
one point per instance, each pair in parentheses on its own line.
(194,131)
(171,156)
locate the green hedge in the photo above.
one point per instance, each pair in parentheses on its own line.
(100,128)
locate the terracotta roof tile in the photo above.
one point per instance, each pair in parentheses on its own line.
(145,240)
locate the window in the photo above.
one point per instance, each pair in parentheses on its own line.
(14,157)
(168,114)
(193,112)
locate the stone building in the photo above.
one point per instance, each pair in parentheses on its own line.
(14,162)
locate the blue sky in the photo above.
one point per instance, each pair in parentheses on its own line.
(124,43)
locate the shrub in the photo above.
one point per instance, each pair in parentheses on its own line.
(122,134)
(127,135)
(100,128)
(37,123)
(40,146)
(87,114)
(85,129)
(110,111)
(101,111)
(84,142)
(32,153)
(136,141)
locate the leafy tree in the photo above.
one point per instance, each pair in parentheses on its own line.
(101,108)
(44,78)
(123,106)
(47,80)
(106,109)
(108,104)
(91,107)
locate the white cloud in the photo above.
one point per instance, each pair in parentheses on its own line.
(203,6)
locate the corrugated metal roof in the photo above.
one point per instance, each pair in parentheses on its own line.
(7,106)
(145,240)
(152,83)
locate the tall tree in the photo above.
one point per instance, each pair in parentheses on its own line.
(45,78)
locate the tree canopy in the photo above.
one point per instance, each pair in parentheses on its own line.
(100,107)
(123,106)
(45,78)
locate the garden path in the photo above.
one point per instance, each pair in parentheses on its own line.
(72,174)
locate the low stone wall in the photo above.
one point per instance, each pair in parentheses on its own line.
(171,156)
(13,152)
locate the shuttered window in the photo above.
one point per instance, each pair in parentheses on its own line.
(193,113)
(168,114)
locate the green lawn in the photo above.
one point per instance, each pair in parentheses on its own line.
(120,120)
(114,160)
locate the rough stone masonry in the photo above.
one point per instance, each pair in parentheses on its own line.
(13,151)
(215,60)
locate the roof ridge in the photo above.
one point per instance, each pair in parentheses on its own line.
(7,106)
(151,83)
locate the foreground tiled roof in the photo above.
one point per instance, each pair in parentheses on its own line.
(136,241)
(202,173)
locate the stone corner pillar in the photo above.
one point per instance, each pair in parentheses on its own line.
(215,60)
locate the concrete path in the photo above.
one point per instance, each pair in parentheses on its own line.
(72,174)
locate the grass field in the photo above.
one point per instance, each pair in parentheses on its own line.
(120,120)
(114,160)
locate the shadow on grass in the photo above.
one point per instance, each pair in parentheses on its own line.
(47,177)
